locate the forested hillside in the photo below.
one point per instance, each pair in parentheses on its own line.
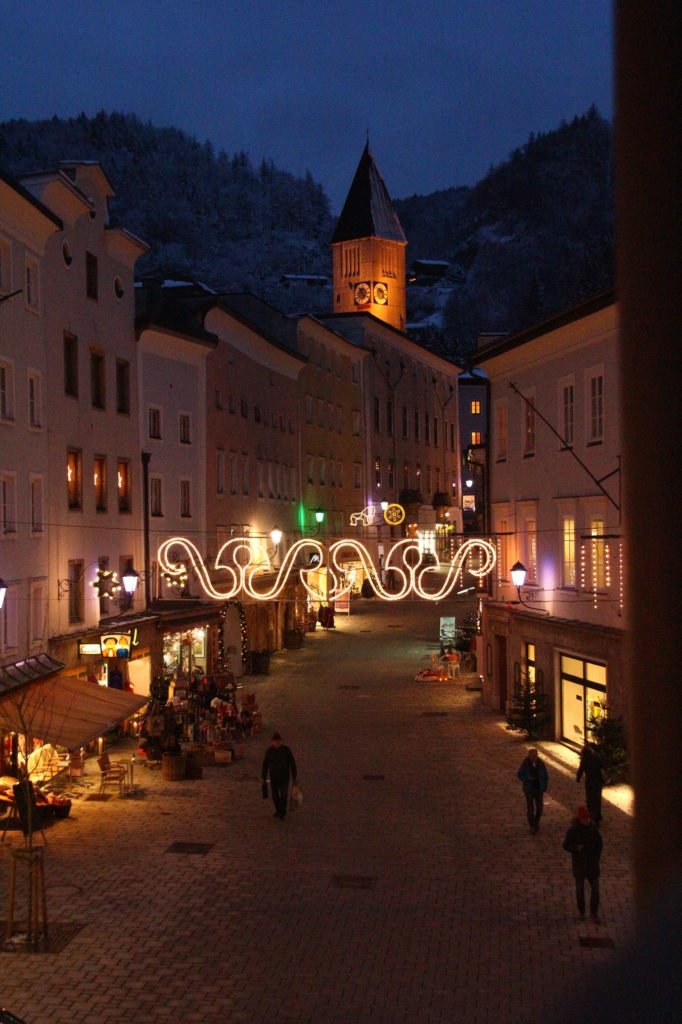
(533,237)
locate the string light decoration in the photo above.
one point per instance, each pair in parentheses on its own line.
(620,577)
(106,583)
(245,562)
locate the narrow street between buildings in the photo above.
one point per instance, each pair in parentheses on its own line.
(406,888)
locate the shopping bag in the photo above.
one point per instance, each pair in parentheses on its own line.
(264,790)
(295,798)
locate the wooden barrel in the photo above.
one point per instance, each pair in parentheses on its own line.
(173,766)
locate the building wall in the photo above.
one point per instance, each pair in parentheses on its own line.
(24,233)
(549,513)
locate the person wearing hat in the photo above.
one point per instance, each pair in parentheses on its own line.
(584,843)
(280,765)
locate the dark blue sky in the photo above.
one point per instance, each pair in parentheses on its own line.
(445,88)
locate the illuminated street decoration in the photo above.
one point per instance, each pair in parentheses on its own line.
(363,518)
(245,562)
(394,514)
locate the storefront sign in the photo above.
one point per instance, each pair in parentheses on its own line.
(89,648)
(243,562)
(115,645)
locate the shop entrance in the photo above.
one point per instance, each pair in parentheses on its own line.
(583,696)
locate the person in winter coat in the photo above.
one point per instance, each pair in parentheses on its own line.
(280,765)
(534,779)
(584,843)
(591,767)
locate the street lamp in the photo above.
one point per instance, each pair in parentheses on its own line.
(319,516)
(276,536)
(518,575)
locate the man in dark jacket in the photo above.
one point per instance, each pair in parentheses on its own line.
(591,767)
(584,844)
(279,764)
(534,779)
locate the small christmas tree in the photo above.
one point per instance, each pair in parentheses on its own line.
(607,733)
(528,711)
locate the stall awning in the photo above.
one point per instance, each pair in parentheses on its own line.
(65,710)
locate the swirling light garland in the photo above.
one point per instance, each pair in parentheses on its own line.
(407,578)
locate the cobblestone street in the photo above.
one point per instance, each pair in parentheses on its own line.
(406,889)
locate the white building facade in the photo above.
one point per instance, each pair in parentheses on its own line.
(554,472)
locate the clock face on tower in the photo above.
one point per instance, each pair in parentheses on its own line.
(362,293)
(380,293)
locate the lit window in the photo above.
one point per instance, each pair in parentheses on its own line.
(475,437)
(124,485)
(100,483)
(568,551)
(475,407)
(74,478)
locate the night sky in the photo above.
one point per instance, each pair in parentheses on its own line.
(445,89)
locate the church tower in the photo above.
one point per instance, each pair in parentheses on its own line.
(368,250)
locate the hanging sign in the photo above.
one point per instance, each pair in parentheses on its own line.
(115,645)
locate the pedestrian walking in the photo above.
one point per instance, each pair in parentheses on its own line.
(280,766)
(584,843)
(592,768)
(534,779)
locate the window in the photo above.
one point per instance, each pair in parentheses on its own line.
(339,419)
(220,472)
(32,284)
(124,485)
(530,549)
(501,431)
(271,479)
(598,555)
(355,373)
(357,474)
(435,431)
(217,399)
(260,478)
(122,386)
(99,479)
(377,472)
(308,409)
(97,382)
(6,390)
(185,499)
(391,474)
(357,421)
(36,504)
(38,613)
(406,476)
(416,425)
(567,413)
(154,422)
(475,407)
(91,276)
(70,365)
(568,551)
(256,414)
(76,591)
(9,625)
(320,412)
(595,407)
(35,414)
(234,473)
(323,471)
(244,408)
(404,420)
(74,478)
(529,425)
(475,437)
(5,266)
(8,504)
(452,435)
(310,469)
(185,428)
(427,436)
(389,417)
(330,416)
(377,414)
(155,496)
(245,473)
(339,474)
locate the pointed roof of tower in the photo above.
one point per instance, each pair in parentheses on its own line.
(368,210)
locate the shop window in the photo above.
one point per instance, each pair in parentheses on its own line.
(583,697)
